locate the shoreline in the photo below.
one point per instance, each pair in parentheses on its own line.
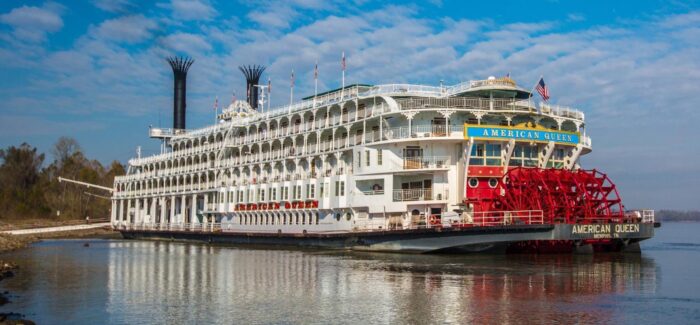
(12,242)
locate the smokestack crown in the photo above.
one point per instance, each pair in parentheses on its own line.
(252,75)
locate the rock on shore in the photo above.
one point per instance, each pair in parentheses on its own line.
(10,242)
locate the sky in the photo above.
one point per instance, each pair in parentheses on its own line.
(96,70)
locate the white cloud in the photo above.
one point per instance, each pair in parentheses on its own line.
(192,9)
(186,43)
(276,17)
(113,5)
(129,29)
(31,24)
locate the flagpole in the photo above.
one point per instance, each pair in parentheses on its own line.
(216,110)
(342,87)
(291,93)
(269,94)
(529,99)
(315,83)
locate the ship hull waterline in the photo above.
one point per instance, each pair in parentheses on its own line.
(623,237)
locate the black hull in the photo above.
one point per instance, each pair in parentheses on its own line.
(435,240)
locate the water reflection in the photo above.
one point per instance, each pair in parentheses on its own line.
(181,283)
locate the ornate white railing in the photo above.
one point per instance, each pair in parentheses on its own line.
(425,194)
(426,162)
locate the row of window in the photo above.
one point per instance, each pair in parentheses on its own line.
(488,154)
(380,158)
(260,195)
(293,219)
(474,182)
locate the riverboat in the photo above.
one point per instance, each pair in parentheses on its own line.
(476,166)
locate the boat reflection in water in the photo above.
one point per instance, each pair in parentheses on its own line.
(182,283)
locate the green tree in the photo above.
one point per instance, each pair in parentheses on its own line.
(19,175)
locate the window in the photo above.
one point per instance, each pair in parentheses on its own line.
(367,157)
(493,182)
(273,194)
(359,159)
(493,154)
(473,182)
(322,190)
(310,191)
(530,156)
(557,158)
(298,190)
(285,193)
(262,195)
(524,155)
(340,188)
(379,157)
(477,155)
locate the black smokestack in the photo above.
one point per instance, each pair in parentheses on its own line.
(180,66)
(252,77)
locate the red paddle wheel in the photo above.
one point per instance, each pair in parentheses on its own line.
(564,196)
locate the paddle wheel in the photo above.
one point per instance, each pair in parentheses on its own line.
(564,196)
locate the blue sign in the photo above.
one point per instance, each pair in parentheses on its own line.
(519,133)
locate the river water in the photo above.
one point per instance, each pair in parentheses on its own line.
(131,282)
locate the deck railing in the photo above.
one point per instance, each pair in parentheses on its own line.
(420,194)
(425,162)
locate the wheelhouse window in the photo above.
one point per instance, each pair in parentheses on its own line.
(485,154)
(476,157)
(524,155)
(557,158)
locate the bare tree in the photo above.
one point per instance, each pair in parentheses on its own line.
(64,148)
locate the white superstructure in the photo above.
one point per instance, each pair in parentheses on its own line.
(379,157)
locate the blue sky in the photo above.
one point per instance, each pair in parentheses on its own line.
(95,70)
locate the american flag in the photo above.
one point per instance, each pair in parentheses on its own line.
(316,71)
(542,89)
(342,64)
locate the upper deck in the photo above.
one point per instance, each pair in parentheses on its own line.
(386,99)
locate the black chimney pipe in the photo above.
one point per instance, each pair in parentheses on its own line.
(180,66)
(252,75)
